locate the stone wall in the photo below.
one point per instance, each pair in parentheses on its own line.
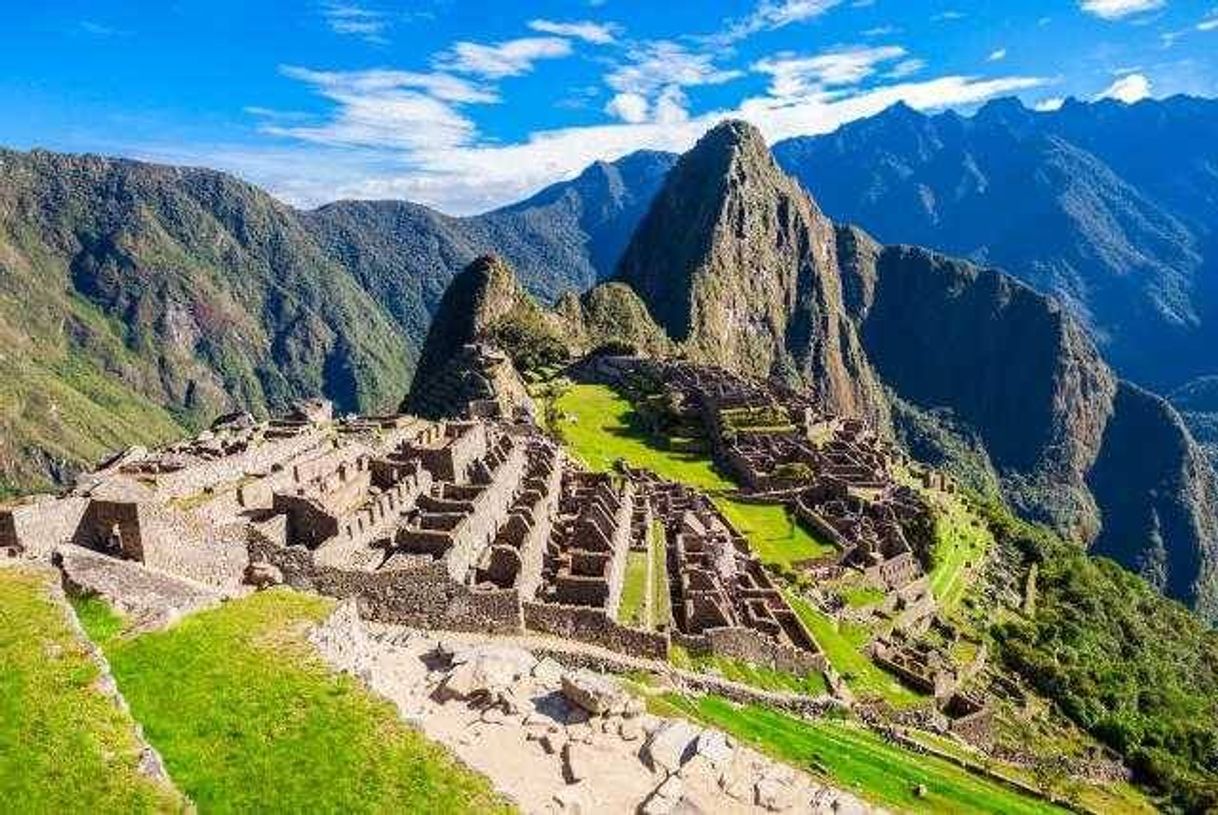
(423,595)
(39,526)
(261,458)
(594,626)
(180,544)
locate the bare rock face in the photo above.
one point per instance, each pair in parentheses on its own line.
(738,265)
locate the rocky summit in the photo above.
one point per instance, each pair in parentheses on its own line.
(740,267)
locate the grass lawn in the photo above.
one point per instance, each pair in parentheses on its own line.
(661,602)
(841,646)
(857,759)
(757,676)
(632,610)
(600,429)
(248,718)
(772,532)
(960,539)
(64,747)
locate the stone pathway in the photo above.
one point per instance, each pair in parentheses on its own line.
(560,740)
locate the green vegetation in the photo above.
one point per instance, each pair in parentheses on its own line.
(961,542)
(773,533)
(602,427)
(635,589)
(857,759)
(746,673)
(661,602)
(860,596)
(64,747)
(842,645)
(531,342)
(1138,671)
(247,717)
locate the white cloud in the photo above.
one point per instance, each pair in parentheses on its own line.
(1128,89)
(353,20)
(629,107)
(1210,23)
(1049,105)
(595,33)
(904,68)
(1118,9)
(510,58)
(772,14)
(997,55)
(656,69)
(424,154)
(793,76)
(396,110)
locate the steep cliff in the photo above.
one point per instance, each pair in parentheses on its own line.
(739,267)
(1070,443)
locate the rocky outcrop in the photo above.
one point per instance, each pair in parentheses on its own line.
(458,365)
(738,265)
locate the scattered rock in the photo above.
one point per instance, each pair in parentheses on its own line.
(263,575)
(631,730)
(715,748)
(595,693)
(548,672)
(670,746)
(553,743)
(775,793)
(665,798)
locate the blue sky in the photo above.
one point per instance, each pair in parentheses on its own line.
(467,105)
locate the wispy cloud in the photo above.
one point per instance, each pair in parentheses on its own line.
(796,76)
(396,110)
(653,76)
(101,30)
(1210,22)
(595,33)
(510,58)
(1129,88)
(1119,9)
(773,14)
(1049,105)
(447,165)
(356,21)
(997,55)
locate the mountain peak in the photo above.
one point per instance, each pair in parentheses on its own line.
(735,262)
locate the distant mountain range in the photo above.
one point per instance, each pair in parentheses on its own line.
(139,300)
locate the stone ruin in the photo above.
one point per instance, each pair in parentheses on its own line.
(479,524)
(723,601)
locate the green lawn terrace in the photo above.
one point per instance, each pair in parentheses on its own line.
(248,718)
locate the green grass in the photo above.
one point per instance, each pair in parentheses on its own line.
(632,610)
(842,644)
(860,596)
(960,539)
(661,602)
(857,759)
(64,747)
(600,428)
(773,533)
(746,673)
(248,718)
